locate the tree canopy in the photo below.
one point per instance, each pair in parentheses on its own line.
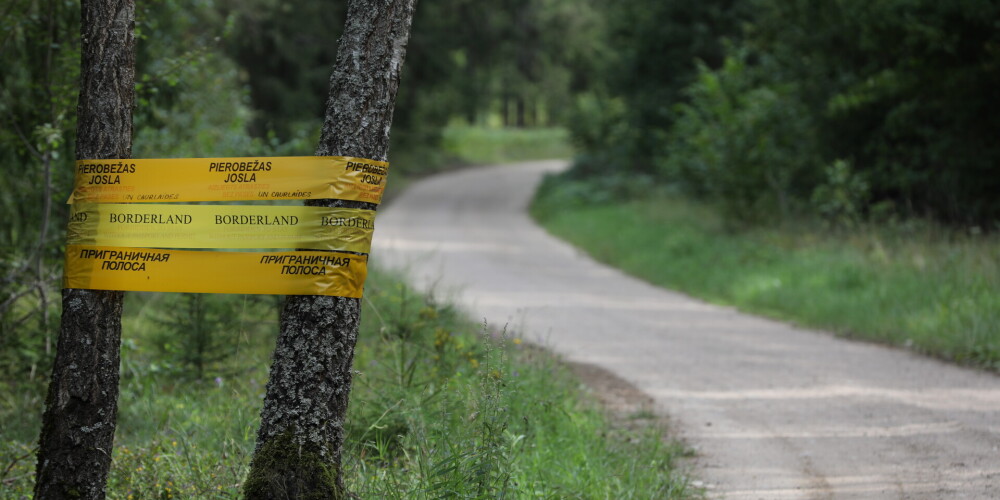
(847,108)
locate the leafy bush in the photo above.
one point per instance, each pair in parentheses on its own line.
(841,199)
(903,90)
(745,144)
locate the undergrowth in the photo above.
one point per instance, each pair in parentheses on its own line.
(438,410)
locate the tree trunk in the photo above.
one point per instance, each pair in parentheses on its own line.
(505,109)
(519,105)
(79,423)
(298,452)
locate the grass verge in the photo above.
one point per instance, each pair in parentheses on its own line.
(489,145)
(438,410)
(910,284)
(466,145)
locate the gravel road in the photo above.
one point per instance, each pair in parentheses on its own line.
(774,411)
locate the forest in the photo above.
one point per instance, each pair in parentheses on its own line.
(846,109)
(844,112)
(849,109)
(246,79)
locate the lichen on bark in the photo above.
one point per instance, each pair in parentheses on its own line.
(302,422)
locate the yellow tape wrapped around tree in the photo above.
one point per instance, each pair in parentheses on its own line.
(157,270)
(229,179)
(220,226)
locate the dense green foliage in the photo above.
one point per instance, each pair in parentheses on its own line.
(514,62)
(776,107)
(650,56)
(39,51)
(189,103)
(438,411)
(823,144)
(917,285)
(226,78)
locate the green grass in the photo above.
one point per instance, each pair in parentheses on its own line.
(912,284)
(488,145)
(464,145)
(438,410)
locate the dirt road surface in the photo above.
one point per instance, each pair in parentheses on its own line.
(773,411)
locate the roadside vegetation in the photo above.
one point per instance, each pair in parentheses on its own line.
(441,408)
(250,79)
(828,163)
(912,283)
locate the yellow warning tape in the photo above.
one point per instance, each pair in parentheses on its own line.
(151,270)
(225,179)
(220,226)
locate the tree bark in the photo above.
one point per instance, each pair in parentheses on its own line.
(78,426)
(298,452)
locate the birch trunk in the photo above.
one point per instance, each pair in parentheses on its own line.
(78,426)
(298,452)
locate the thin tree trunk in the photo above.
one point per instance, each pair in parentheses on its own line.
(298,452)
(505,108)
(519,106)
(79,423)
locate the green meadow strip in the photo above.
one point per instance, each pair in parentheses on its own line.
(911,284)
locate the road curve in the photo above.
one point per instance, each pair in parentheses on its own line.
(774,411)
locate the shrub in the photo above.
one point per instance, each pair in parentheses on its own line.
(745,144)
